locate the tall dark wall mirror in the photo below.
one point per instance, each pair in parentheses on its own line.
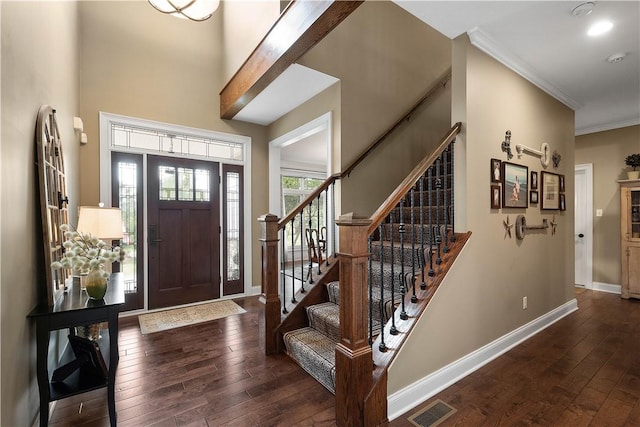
(53,199)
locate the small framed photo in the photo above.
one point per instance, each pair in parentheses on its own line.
(534,180)
(495,197)
(561,183)
(514,185)
(533,197)
(496,170)
(550,191)
(563,206)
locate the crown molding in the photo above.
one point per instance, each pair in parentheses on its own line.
(491,47)
(607,126)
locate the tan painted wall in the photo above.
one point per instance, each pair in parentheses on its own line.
(607,151)
(481,298)
(385,59)
(140,63)
(245,23)
(39,66)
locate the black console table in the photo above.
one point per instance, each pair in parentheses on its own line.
(73,309)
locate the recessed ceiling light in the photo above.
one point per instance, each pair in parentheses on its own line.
(616,57)
(583,9)
(600,28)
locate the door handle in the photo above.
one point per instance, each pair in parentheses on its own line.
(153,235)
(581,235)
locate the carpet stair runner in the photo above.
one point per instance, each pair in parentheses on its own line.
(313,347)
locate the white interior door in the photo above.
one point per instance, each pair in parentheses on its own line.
(584,225)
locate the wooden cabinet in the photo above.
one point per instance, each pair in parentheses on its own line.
(630,237)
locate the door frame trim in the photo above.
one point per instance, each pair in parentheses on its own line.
(105,121)
(587,169)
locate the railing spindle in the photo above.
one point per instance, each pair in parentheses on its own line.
(302,278)
(335,227)
(414,298)
(370,286)
(403,291)
(423,263)
(308,249)
(393,330)
(445,249)
(451,194)
(293,263)
(438,231)
(317,242)
(282,268)
(326,226)
(430,184)
(382,347)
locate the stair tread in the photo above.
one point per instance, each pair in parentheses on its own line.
(325,318)
(315,353)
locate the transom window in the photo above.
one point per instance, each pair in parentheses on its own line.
(150,140)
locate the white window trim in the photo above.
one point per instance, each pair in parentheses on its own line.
(107,119)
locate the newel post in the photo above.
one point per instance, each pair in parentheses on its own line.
(354,361)
(269,316)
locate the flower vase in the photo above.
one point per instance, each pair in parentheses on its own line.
(96,283)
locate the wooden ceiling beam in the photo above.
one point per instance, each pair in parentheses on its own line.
(301,25)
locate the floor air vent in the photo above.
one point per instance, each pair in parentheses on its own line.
(432,414)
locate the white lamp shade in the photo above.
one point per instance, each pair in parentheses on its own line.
(103,223)
(196,10)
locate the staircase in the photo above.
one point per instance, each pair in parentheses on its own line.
(346,332)
(402,248)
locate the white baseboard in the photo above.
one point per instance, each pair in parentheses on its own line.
(256,290)
(404,400)
(607,287)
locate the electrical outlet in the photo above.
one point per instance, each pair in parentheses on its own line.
(524,303)
(598,212)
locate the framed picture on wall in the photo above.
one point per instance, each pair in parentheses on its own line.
(533,197)
(496,170)
(563,206)
(534,180)
(495,197)
(561,183)
(514,185)
(550,191)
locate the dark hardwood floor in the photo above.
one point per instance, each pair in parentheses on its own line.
(582,371)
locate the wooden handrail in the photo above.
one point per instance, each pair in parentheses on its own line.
(392,201)
(439,84)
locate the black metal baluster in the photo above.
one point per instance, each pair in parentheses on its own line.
(414,298)
(308,247)
(382,347)
(393,330)
(445,249)
(333,223)
(293,262)
(371,291)
(302,278)
(423,263)
(403,291)
(430,183)
(452,204)
(317,242)
(326,226)
(282,267)
(438,188)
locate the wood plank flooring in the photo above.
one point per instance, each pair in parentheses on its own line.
(582,371)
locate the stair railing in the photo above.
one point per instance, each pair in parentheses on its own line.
(292,266)
(358,393)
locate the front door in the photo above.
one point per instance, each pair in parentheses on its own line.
(183,231)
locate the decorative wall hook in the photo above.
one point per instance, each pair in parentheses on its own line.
(522,227)
(506,145)
(543,153)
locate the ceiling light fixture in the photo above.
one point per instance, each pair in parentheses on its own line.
(600,28)
(583,9)
(195,10)
(616,57)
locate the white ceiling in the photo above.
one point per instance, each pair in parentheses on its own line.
(548,45)
(541,40)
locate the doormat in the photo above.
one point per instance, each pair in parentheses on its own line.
(178,317)
(432,415)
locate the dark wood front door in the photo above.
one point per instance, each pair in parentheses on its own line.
(183,231)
